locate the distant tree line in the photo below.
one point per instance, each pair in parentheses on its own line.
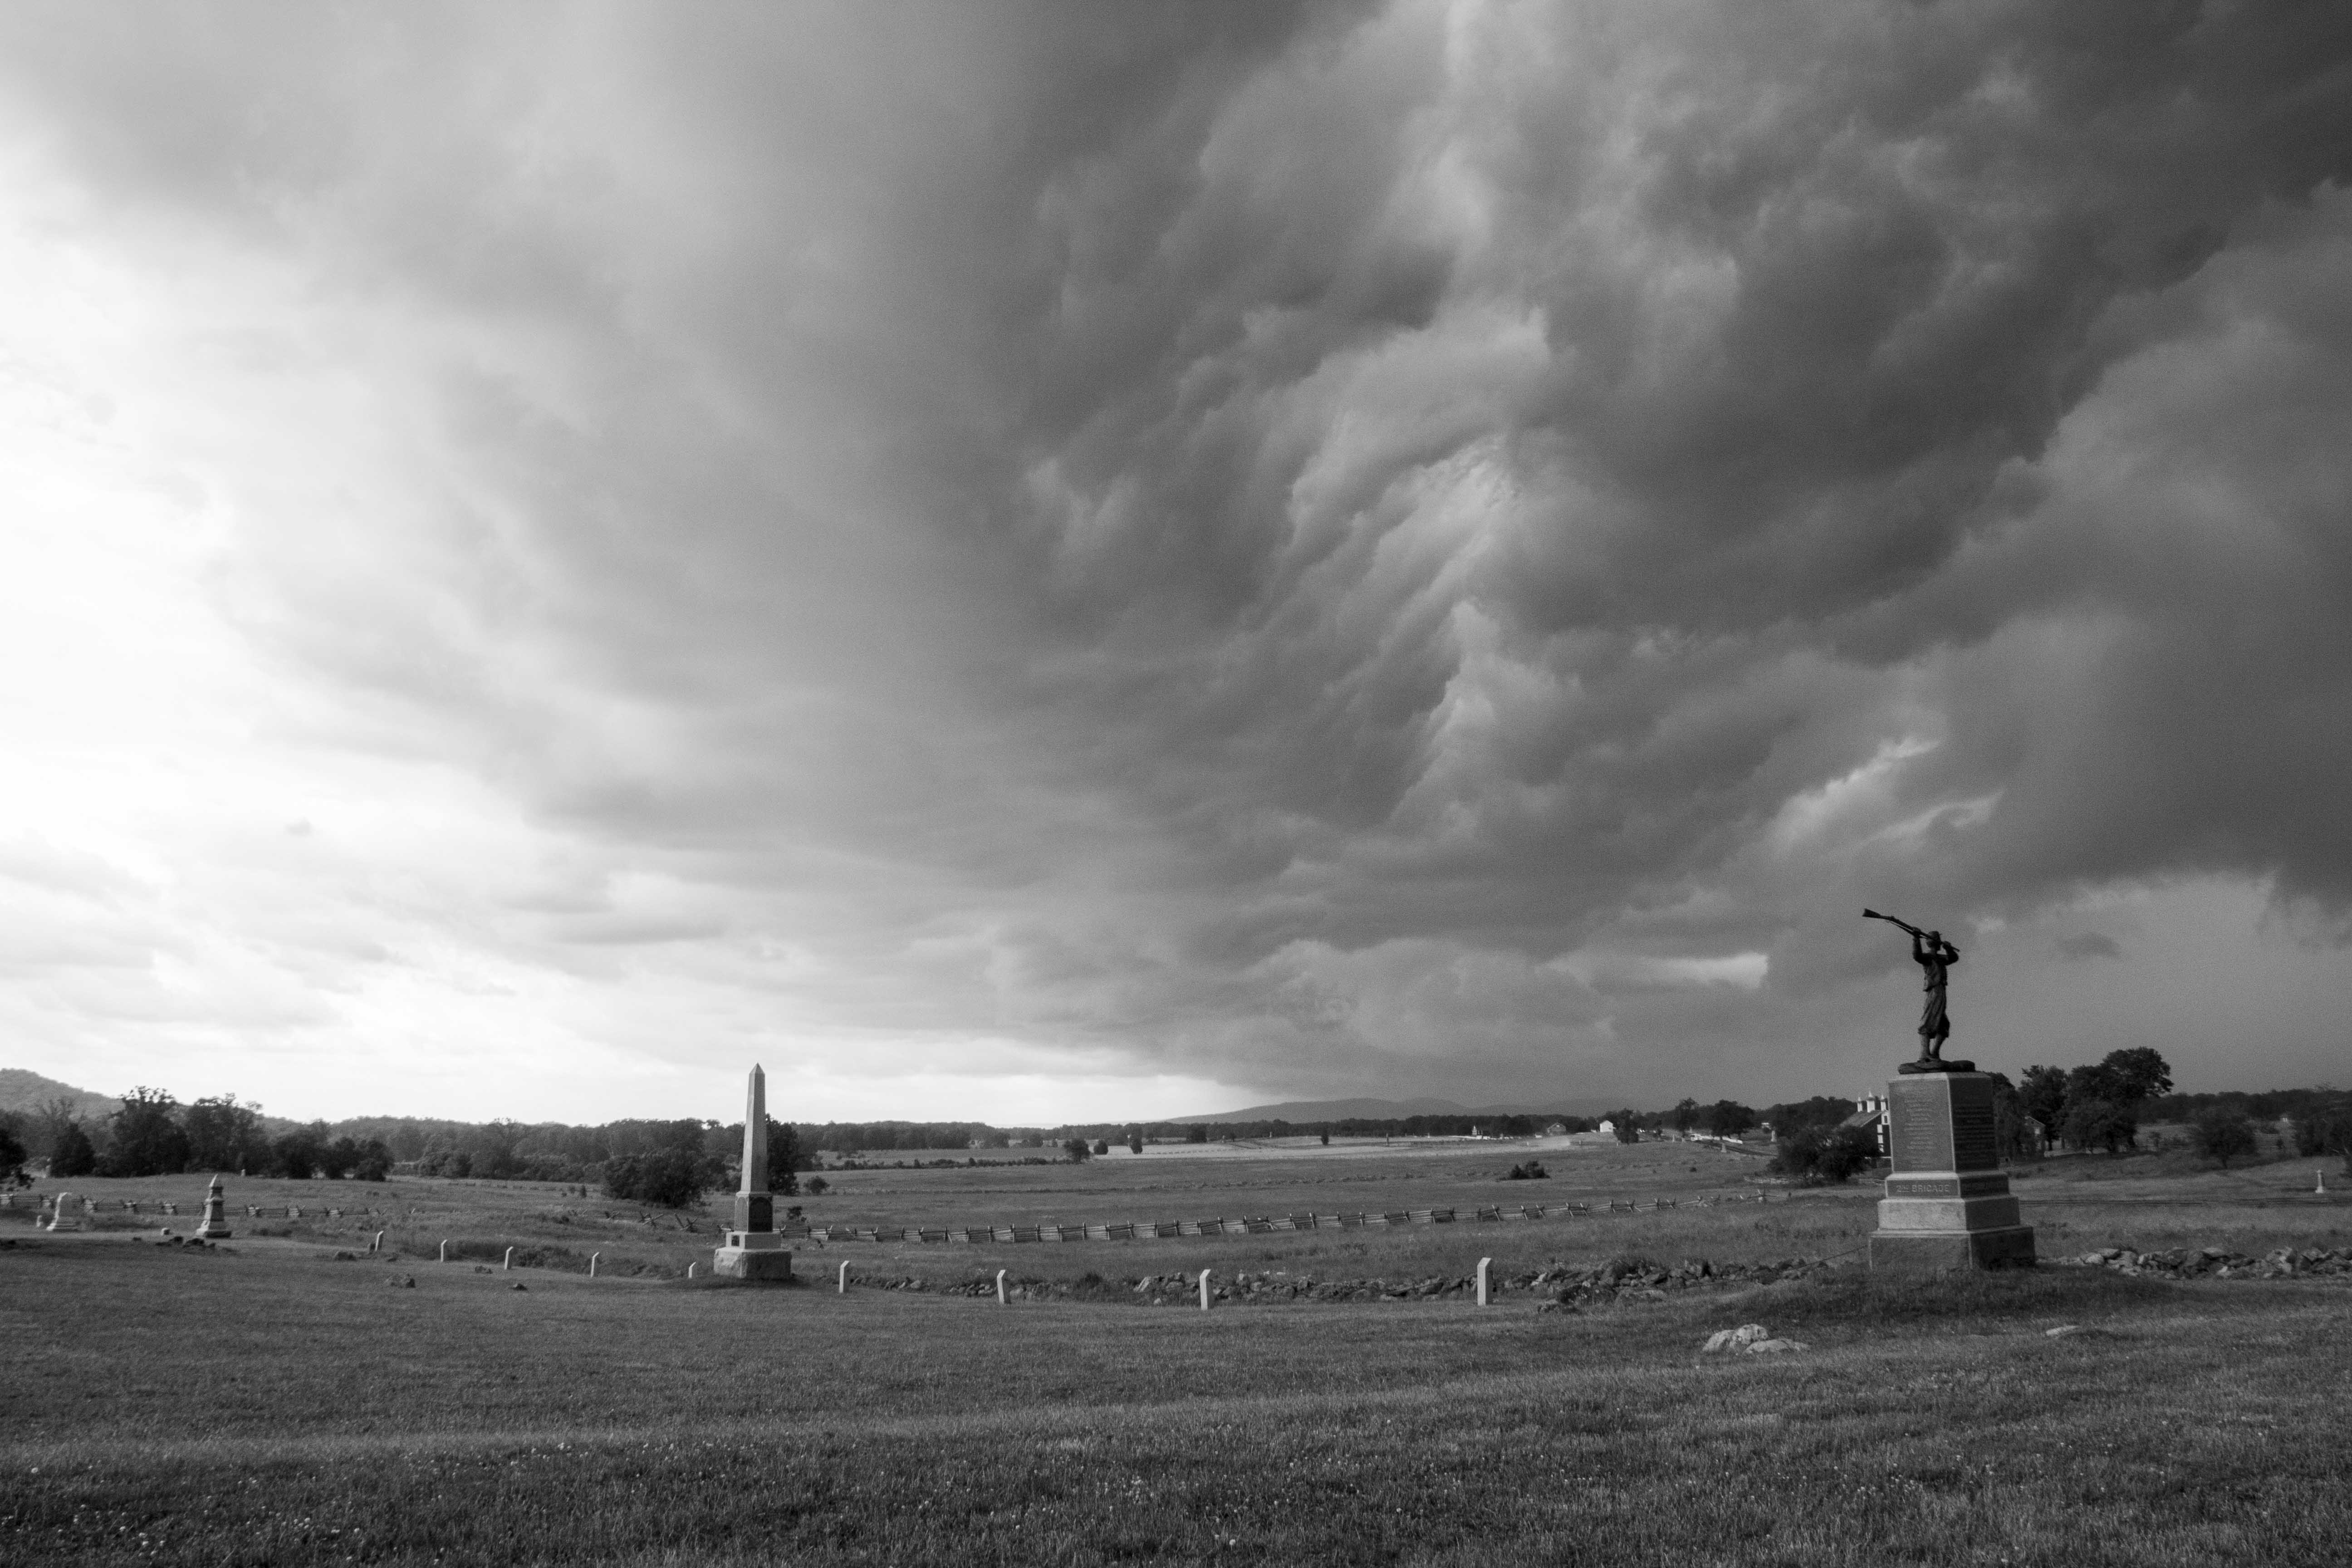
(152,1135)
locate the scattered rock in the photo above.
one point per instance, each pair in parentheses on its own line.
(1737,1339)
(518,1285)
(2062,1331)
(1774,1347)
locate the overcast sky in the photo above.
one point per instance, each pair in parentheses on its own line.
(1041,562)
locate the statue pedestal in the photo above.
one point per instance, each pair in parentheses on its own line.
(1947,1205)
(752,1254)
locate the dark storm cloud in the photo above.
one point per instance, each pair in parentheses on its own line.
(1444,547)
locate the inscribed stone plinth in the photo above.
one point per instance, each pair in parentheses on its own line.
(1947,1203)
(216,1222)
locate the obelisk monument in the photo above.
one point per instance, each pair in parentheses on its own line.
(1947,1203)
(753,1250)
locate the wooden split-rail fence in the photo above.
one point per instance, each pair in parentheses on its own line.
(1262,1224)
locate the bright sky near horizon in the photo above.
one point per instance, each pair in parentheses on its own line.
(1045,561)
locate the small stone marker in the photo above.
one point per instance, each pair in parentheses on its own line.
(690,1269)
(1204,1289)
(1483,1264)
(216,1222)
(377,1245)
(66,1215)
(843,1289)
(445,1252)
(592,1264)
(508,1263)
(2322,1177)
(1000,1287)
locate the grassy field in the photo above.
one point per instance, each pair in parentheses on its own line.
(269,1403)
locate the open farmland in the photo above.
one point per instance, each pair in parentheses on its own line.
(267,1401)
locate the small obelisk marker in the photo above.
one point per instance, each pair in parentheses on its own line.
(753,1249)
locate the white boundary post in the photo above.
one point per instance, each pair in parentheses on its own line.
(1483,1264)
(445,1252)
(843,1288)
(1000,1287)
(507,1263)
(592,1264)
(1204,1289)
(377,1245)
(690,1269)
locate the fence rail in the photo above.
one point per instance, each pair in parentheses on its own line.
(1249,1224)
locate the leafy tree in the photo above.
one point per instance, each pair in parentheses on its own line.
(1078,1148)
(12,1154)
(1622,1123)
(1325,1136)
(1728,1118)
(815,1186)
(1822,1110)
(337,1157)
(72,1154)
(1836,1155)
(148,1140)
(224,1135)
(296,1155)
(1847,1152)
(1102,1145)
(375,1163)
(2137,1075)
(2101,1123)
(2222,1133)
(1134,1141)
(2012,1129)
(2325,1129)
(1196,1134)
(2043,1096)
(672,1177)
(1684,1116)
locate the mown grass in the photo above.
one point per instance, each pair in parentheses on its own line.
(272,1408)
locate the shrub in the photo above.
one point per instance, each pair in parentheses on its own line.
(2222,1133)
(671,1178)
(815,1187)
(1799,1154)
(1078,1149)
(1839,1155)
(1846,1153)
(72,1154)
(2102,1123)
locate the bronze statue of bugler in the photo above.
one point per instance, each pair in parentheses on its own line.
(1935,956)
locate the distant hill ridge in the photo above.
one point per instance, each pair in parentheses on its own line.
(1312,1110)
(21,1089)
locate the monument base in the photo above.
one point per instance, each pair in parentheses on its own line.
(213,1233)
(1947,1203)
(752,1254)
(1950,1251)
